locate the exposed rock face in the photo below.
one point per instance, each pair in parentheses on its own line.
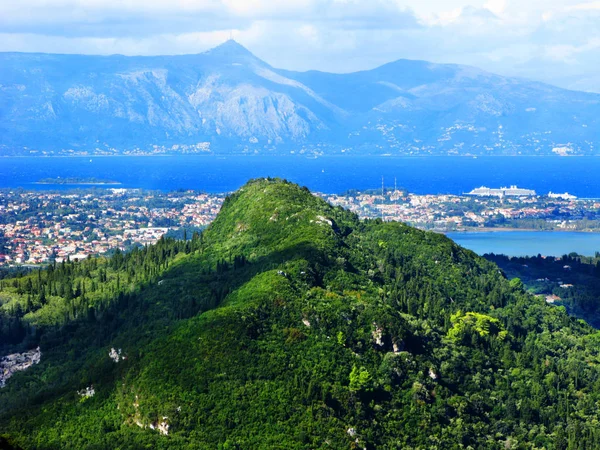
(163,426)
(17,362)
(88,392)
(115,355)
(377,335)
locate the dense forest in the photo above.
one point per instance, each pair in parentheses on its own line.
(291,324)
(572,281)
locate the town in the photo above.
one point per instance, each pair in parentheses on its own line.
(468,212)
(41,227)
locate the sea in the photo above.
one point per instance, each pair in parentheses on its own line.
(337,174)
(332,174)
(529,243)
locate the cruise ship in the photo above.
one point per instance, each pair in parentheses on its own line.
(513,191)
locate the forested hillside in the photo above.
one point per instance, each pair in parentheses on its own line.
(292,324)
(572,281)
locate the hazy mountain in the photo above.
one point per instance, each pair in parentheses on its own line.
(228,100)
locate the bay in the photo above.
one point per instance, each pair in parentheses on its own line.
(529,243)
(333,174)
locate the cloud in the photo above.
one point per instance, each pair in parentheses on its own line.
(180,43)
(118,18)
(536,38)
(375,14)
(496,6)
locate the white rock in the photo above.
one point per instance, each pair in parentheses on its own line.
(87,392)
(115,355)
(377,335)
(17,362)
(163,427)
(432,374)
(324,221)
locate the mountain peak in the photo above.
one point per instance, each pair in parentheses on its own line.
(231,49)
(270,211)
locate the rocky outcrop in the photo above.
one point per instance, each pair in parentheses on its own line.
(17,362)
(88,392)
(377,335)
(115,355)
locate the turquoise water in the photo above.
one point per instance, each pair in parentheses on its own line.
(529,243)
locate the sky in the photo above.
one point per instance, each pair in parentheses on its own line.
(556,41)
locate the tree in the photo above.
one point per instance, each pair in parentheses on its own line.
(360,379)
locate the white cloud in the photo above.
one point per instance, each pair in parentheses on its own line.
(266,8)
(536,38)
(589,6)
(496,6)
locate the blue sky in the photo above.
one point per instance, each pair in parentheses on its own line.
(550,40)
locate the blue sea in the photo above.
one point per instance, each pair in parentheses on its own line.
(335,174)
(529,243)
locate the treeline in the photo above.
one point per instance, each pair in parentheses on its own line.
(73,290)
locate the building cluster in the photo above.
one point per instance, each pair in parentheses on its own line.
(462,212)
(38,227)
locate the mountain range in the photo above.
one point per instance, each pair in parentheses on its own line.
(227,100)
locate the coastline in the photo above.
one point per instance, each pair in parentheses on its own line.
(513,230)
(278,155)
(77,184)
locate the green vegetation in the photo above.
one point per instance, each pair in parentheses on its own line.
(572,281)
(291,324)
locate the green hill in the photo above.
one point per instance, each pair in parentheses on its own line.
(291,324)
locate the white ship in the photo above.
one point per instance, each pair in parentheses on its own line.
(565,196)
(512,191)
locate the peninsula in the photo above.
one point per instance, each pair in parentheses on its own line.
(76,180)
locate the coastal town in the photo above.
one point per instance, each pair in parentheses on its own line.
(481,209)
(39,227)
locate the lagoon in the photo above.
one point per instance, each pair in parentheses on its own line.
(528,243)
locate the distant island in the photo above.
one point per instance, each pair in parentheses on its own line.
(75,180)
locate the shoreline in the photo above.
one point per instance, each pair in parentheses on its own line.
(77,184)
(297,155)
(524,230)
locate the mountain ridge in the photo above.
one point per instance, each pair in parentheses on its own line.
(226,100)
(291,323)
